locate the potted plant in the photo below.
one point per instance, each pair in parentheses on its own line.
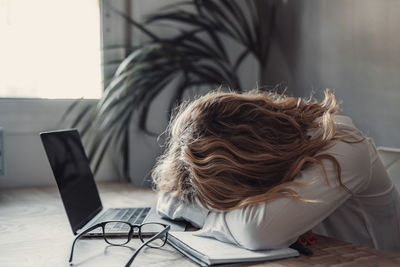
(198,55)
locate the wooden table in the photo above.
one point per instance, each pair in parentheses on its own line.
(34,231)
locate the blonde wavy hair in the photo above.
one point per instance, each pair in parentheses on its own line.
(229,150)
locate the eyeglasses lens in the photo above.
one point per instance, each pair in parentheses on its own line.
(117,233)
(149,230)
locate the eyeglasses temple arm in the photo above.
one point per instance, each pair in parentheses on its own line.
(160,234)
(78,236)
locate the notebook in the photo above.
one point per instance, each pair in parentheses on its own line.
(209,251)
(78,189)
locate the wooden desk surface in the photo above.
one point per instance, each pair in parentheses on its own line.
(34,231)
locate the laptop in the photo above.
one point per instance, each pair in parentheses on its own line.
(78,189)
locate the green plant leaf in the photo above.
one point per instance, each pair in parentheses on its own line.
(196,56)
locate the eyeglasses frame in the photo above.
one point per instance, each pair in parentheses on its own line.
(130,235)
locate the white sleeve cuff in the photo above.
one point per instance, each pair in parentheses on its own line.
(173,208)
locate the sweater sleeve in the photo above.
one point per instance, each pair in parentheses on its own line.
(280,222)
(172,207)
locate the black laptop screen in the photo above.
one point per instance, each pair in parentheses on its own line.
(74,178)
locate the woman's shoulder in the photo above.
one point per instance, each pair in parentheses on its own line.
(345,123)
(353,145)
(349,144)
(343,119)
(353,154)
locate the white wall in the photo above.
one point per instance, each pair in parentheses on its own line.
(350,46)
(25,160)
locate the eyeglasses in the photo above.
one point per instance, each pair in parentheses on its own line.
(153,235)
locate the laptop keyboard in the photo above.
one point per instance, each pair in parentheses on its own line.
(131,215)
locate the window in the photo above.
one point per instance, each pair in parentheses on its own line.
(50,49)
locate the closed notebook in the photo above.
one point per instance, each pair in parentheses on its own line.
(208,251)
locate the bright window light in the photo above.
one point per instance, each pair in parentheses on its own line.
(50,49)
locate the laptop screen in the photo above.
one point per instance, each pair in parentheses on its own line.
(74,178)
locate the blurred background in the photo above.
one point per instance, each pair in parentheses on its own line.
(114,69)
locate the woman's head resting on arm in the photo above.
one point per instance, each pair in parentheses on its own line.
(230,150)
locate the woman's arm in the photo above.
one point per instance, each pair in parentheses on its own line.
(279,223)
(172,207)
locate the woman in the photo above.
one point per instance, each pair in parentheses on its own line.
(259,170)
